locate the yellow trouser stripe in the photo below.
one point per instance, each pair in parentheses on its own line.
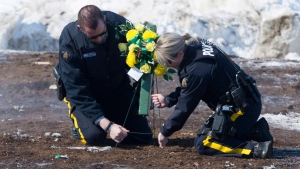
(68,103)
(224,149)
(75,121)
(234,116)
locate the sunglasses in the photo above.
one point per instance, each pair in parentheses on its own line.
(96,36)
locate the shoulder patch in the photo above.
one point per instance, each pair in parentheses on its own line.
(184,82)
(65,55)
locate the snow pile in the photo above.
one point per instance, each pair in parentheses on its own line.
(246,28)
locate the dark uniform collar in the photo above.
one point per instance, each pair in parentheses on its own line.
(189,56)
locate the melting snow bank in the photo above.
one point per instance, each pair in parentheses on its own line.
(288,121)
(248,28)
(6,52)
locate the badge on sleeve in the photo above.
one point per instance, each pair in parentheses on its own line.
(184,82)
(65,55)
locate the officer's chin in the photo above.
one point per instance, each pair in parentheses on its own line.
(97,42)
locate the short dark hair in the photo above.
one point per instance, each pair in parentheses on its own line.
(89,16)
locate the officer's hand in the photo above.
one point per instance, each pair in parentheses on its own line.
(162,140)
(159,100)
(118,133)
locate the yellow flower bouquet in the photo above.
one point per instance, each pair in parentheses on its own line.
(140,49)
(140,54)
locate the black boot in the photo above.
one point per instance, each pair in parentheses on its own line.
(74,132)
(260,131)
(263,150)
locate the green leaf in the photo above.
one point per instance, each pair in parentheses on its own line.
(129,25)
(123,32)
(151,27)
(166,77)
(171,71)
(170,78)
(123,27)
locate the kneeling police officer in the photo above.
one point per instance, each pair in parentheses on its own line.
(206,73)
(94,83)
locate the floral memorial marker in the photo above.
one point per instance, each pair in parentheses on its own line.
(140,57)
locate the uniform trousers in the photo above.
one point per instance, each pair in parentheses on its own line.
(239,145)
(116,109)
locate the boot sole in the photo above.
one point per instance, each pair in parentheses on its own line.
(270,150)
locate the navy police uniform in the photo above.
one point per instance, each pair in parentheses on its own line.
(97,84)
(206,74)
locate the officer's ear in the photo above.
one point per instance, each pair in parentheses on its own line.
(180,54)
(78,26)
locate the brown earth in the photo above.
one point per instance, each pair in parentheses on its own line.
(29,109)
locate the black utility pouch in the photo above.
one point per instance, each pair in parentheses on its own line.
(209,121)
(221,122)
(239,98)
(60,91)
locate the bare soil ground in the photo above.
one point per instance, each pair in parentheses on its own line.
(29,109)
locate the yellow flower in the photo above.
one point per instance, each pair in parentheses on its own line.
(150,46)
(132,47)
(130,34)
(154,57)
(140,48)
(131,59)
(145,68)
(139,27)
(149,34)
(122,47)
(160,70)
